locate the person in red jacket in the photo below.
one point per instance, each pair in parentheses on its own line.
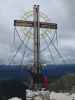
(45,82)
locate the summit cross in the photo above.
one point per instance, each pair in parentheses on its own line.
(36,24)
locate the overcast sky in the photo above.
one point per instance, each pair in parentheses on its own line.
(60,11)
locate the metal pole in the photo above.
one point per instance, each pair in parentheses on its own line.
(36,38)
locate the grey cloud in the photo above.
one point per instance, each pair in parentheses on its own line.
(60,11)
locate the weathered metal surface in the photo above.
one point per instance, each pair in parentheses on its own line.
(22,23)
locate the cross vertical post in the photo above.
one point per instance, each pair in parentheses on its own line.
(36,38)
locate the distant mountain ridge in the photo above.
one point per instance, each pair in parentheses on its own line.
(21,72)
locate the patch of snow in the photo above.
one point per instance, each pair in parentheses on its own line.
(15,98)
(46,95)
(61,96)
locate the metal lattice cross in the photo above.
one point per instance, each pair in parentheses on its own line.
(36,24)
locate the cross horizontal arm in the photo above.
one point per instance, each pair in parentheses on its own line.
(22,23)
(48,25)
